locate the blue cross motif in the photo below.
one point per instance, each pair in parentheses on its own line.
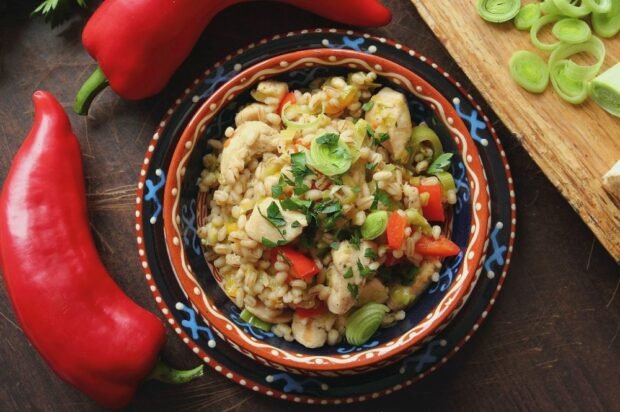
(151,194)
(498,251)
(292,385)
(475,124)
(214,81)
(191,324)
(421,360)
(445,279)
(352,348)
(189,220)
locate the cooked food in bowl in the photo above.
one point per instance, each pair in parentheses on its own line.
(326,208)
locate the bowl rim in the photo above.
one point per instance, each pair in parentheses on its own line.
(469,269)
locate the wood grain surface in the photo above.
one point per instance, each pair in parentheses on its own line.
(573,145)
(551,342)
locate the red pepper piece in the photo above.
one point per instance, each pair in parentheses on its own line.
(302,267)
(89,332)
(318,309)
(428,246)
(396,230)
(139,44)
(433,210)
(288,98)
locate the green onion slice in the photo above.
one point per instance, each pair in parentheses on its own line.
(298,125)
(250,318)
(539,24)
(607,24)
(498,11)
(569,88)
(594,46)
(446,180)
(605,90)
(529,71)
(422,134)
(572,8)
(364,322)
(572,31)
(374,225)
(331,159)
(598,6)
(527,16)
(548,7)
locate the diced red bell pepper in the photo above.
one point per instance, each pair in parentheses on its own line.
(441,247)
(302,267)
(288,98)
(317,310)
(433,211)
(396,230)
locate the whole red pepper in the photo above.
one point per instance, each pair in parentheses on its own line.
(90,333)
(140,43)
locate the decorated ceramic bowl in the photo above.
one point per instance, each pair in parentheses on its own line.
(185,210)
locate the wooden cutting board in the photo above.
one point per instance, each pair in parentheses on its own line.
(573,145)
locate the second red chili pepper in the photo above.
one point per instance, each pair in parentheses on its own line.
(89,332)
(139,44)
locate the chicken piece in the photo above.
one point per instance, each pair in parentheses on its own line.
(253,112)
(259,227)
(268,314)
(312,332)
(346,261)
(373,291)
(390,114)
(270,92)
(249,140)
(611,180)
(403,296)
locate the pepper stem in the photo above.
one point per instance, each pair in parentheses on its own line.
(164,373)
(89,90)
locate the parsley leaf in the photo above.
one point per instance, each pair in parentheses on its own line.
(274,215)
(353,290)
(377,138)
(356,238)
(381,197)
(295,224)
(270,243)
(410,275)
(348,274)
(277,190)
(294,203)
(371,254)
(371,166)
(441,164)
(300,189)
(334,245)
(365,271)
(300,170)
(329,206)
(368,106)
(329,139)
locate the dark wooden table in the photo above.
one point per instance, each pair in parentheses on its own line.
(550,343)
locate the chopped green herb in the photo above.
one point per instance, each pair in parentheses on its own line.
(365,271)
(270,243)
(348,274)
(442,163)
(380,138)
(295,224)
(353,290)
(356,189)
(370,131)
(277,190)
(274,215)
(300,189)
(410,275)
(368,106)
(371,254)
(334,245)
(329,206)
(330,139)
(371,166)
(294,203)
(300,170)
(356,238)
(381,197)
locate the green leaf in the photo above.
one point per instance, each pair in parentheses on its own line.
(330,139)
(348,274)
(356,238)
(365,271)
(295,224)
(353,290)
(270,243)
(294,203)
(334,245)
(381,197)
(370,254)
(274,215)
(442,163)
(57,12)
(371,166)
(368,106)
(277,190)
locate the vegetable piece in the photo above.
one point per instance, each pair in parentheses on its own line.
(330,156)
(569,88)
(44,190)
(598,6)
(250,318)
(401,296)
(317,310)
(428,246)
(302,267)
(607,24)
(498,11)
(529,71)
(298,125)
(422,134)
(364,322)
(56,12)
(441,163)
(374,225)
(571,31)
(539,24)
(359,135)
(132,55)
(446,181)
(415,218)
(605,90)
(433,210)
(396,230)
(572,8)
(289,98)
(527,16)
(548,7)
